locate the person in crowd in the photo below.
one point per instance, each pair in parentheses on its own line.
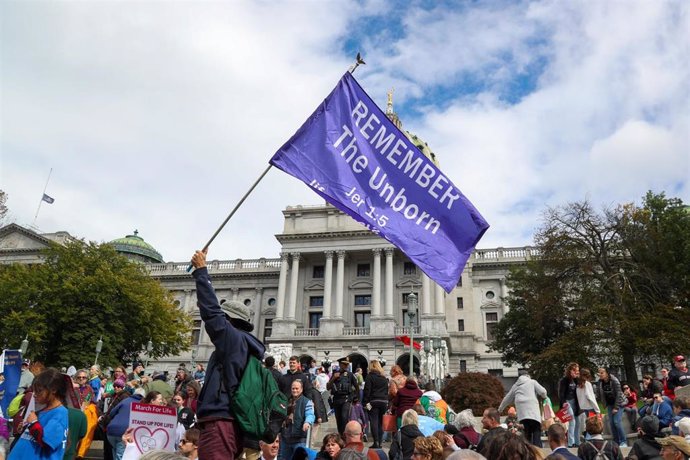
(491,422)
(433,404)
(270,364)
(119,422)
(427,425)
(343,386)
(509,446)
(681,410)
(87,400)
(512,423)
(292,374)
(663,410)
(558,440)
(185,415)
(427,448)
(330,447)
(586,400)
(136,374)
(157,382)
(376,400)
(630,407)
(610,393)
(679,375)
(199,374)
(320,411)
(352,436)
(357,414)
(405,398)
(26,378)
(447,442)
(360,382)
(282,367)
(45,433)
(650,386)
(95,381)
(299,420)
(77,423)
(189,444)
(321,384)
(403,440)
(193,390)
(466,436)
(466,454)
(588,450)
(269,449)
(155,398)
(647,447)
(182,379)
(567,394)
(228,326)
(397,381)
(674,448)
(524,394)
(683,427)
(668,392)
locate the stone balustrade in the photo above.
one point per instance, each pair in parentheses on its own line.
(307,332)
(355,331)
(216,266)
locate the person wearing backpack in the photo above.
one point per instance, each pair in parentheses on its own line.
(228,326)
(596,448)
(343,386)
(354,447)
(402,445)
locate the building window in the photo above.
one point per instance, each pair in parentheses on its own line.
(268,327)
(409,268)
(314,319)
(362,318)
(196,332)
(363,270)
(363,300)
(498,373)
(406,319)
(490,295)
(317,272)
(177,304)
(460,303)
(271,302)
(316,301)
(461,325)
(247,302)
(407,294)
(491,321)
(463,365)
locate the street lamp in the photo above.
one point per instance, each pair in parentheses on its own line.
(99,347)
(380,358)
(326,363)
(149,347)
(412,312)
(193,363)
(24,346)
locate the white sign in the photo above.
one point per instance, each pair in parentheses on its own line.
(153,429)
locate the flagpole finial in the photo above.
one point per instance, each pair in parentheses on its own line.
(358,61)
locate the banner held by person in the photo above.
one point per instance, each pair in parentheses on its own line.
(153,429)
(11,370)
(352,155)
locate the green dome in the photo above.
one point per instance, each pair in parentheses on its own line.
(134,247)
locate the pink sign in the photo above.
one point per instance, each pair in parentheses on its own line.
(154,428)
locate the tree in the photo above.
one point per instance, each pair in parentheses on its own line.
(84,291)
(473,390)
(608,288)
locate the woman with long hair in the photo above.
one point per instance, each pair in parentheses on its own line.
(610,393)
(376,400)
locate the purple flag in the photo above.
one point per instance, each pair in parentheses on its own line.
(351,154)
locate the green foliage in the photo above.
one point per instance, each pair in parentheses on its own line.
(609,288)
(473,390)
(81,292)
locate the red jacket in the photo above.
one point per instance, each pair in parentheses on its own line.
(406,398)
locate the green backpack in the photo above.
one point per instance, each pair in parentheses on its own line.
(259,407)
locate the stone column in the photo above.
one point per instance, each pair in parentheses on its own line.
(376,288)
(439,300)
(339,281)
(282,281)
(294,275)
(389,281)
(258,298)
(235,293)
(327,281)
(426,295)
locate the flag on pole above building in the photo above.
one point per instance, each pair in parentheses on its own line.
(48,199)
(352,155)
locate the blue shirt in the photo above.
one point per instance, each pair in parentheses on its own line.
(54,423)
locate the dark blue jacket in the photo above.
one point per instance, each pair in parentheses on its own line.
(119,416)
(228,361)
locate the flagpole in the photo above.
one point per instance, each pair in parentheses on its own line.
(41,200)
(358,62)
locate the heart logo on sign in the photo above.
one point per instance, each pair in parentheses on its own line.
(147,440)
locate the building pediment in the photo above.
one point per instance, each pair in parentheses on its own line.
(314,286)
(490,305)
(409,283)
(361,284)
(18,238)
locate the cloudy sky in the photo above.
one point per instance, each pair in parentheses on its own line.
(159,115)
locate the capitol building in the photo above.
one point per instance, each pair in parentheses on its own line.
(335,289)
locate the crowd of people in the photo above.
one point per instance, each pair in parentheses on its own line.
(57,414)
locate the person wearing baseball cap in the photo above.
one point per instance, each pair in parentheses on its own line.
(26,378)
(680,374)
(674,448)
(228,326)
(648,445)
